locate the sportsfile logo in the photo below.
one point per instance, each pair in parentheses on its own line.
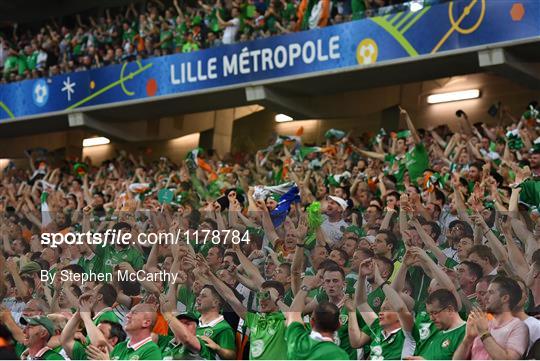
(123,237)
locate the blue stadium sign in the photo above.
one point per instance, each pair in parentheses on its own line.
(433,29)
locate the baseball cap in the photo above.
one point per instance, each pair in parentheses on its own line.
(342,202)
(187,316)
(39,321)
(370,239)
(30,267)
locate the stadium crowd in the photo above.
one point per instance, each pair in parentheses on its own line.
(160,27)
(416,244)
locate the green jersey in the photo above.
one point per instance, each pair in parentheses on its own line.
(79,351)
(92,264)
(31,60)
(350,280)
(188,298)
(375,299)
(218,331)
(288,297)
(143,350)
(435,344)
(450,263)
(189,47)
(129,35)
(343,340)
(111,257)
(420,283)
(417,161)
(267,336)
(530,192)
(19,349)
(385,347)
(166,39)
(46,353)
(303,345)
(105,314)
(171,350)
(10,63)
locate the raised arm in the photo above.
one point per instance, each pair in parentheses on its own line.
(496,246)
(298,304)
(94,334)
(297,266)
(228,295)
(406,318)
(67,337)
(429,242)
(436,272)
(385,224)
(268,226)
(250,269)
(360,296)
(22,290)
(403,113)
(7,320)
(180,331)
(357,337)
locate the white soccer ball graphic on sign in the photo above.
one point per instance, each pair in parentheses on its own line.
(367,52)
(40,93)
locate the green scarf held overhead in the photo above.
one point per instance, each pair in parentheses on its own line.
(404,134)
(314,219)
(305,151)
(334,133)
(532,114)
(514,140)
(199,188)
(530,193)
(80,169)
(214,188)
(379,137)
(336,179)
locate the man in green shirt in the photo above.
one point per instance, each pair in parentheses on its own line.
(267,327)
(105,297)
(334,287)
(38,330)
(325,321)
(184,325)
(104,336)
(439,330)
(388,333)
(214,337)
(410,154)
(112,255)
(165,36)
(189,45)
(139,324)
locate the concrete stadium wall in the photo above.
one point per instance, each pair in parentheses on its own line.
(363,110)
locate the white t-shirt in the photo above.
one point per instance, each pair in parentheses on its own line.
(533,325)
(333,229)
(229,33)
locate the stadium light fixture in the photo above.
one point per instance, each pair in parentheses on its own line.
(281,118)
(453,96)
(91,142)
